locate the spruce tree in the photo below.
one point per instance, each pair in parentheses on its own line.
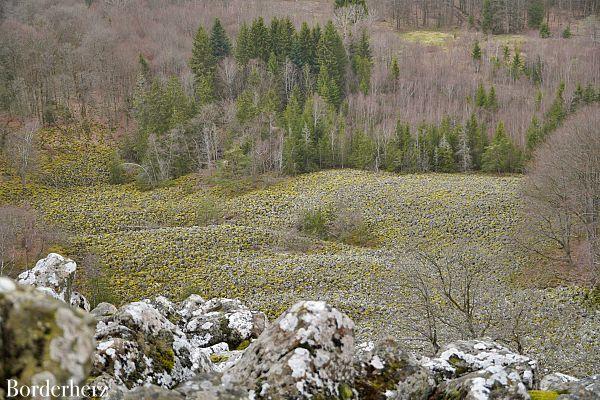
(481,96)
(203,65)
(566,33)
(544,31)
(202,62)
(445,156)
(476,55)
(303,50)
(243,45)
(394,69)
(260,42)
(488,18)
(501,155)
(534,135)
(464,151)
(577,99)
(331,56)
(219,41)
(492,101)
(535,13)
(516,66)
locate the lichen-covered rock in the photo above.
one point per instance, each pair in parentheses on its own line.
(465,356)
(220,320)
(308,351)
(104,310)
(139,345)
(221,357)
(209,387)
(388,372)
(166,308)
(42,338)
(493,382)
(583,389)
(54,275)
(556,381)
(149,392)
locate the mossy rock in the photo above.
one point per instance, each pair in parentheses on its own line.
(543,395)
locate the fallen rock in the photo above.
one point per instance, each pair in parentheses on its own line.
(220,321)
(465,356)
(493,382)
(583,389)
(556,381)
(209,387)
(104,310)
(42,338)
(54,275)
(308,351)
(138,345)
(388,372)
(149,392)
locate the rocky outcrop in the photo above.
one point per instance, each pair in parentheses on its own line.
(308,351)
(162,343)
(481,369)
(385,371)
(220,349)
(582,389)
(42,338)
(556,382)
(55,275)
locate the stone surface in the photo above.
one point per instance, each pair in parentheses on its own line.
(220,320)
(139,345)
(583,389)
(493,382)
(209,387)
(388,372)
(42,338)
(308,351)
(556,381)
(465,356)
(54,275)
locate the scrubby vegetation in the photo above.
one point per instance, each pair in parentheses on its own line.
(277,151)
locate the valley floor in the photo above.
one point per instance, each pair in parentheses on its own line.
(196,238)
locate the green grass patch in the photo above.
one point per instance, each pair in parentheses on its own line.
(428,38)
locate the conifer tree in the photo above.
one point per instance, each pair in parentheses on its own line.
(260,46)
(395,69)
(464,152)
(243,45)
(303,52)
(544,31)
(566,33)
(492,101)
(577,99)
(202,62)
(501,155)
(535,13)
(488,22)
(203,65)
(516,66)
(445,156)
(476,54)
(219,41)
(331,55)
(481,96)
(534,135)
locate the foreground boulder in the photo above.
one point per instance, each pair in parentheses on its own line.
(388,372)
(481,369)
(138,345)
(55,275)
(42,338)
(308,351)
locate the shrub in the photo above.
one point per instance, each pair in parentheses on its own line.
(315,222)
